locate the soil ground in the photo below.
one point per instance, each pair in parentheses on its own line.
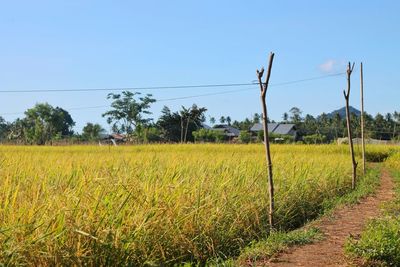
(345,221)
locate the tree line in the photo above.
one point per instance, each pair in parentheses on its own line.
(130,114)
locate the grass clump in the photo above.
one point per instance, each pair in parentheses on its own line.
(276,242)
(379,243)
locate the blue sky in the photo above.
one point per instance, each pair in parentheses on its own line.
(115,44)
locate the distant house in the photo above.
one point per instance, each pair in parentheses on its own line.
(257,127)
(228,130)
(113,138)
(285,128)
(276,128)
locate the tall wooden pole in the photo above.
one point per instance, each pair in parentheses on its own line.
(347,96)
(263,90)
(362,117)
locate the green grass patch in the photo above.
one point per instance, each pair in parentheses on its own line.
(276,242)
(379,243)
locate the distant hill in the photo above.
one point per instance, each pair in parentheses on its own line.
(342,112)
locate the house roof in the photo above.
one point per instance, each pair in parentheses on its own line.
(259,127)
(284,128)
(115,136)
(118,136)
(205,126)
(278,128)
(227,129)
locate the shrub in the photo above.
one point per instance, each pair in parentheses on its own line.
(208,135)
(244,137)
(314,139)
(276,138)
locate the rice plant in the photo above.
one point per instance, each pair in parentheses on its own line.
(155,204)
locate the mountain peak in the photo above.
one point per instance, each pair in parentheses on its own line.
(342,112)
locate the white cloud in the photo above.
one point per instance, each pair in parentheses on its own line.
(328,66)
(332,66)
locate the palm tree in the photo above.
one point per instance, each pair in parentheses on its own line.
(285,117)
(396,118)
(212,120)
(228,120)
(185,115)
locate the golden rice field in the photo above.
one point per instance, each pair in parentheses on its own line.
(155,204)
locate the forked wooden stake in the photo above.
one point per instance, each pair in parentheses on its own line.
(263,89)
(346,97)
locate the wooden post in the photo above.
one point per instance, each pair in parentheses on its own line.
(263,90)
(347,96)
(362,117)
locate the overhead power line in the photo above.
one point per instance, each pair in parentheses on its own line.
(167,87)
(157,100)
(176,98)
(202,95)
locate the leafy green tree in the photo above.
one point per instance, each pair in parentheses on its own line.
(380,130)
(178,126)
(369,131)
(396,117)
(127,113)
(337,125)
(308,126)
(92,131)
(295,116)
(43,123)
(193,114)
(222,119)
(396,124)
(256,118)
(152,134)
(3,128)
(169,124)
(244,125)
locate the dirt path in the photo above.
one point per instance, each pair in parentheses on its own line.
(344,222)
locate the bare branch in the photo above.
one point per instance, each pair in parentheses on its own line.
(259,77)
(260,73)
(271,59)
(345,96)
